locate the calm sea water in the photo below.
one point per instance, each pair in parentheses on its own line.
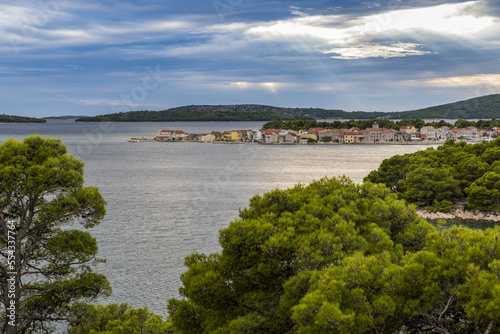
(166,201)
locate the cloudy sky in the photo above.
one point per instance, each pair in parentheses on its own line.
(91,57)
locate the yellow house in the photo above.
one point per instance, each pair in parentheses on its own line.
(231,136)
(349,137)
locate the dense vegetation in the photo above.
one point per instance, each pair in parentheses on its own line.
(336,257)
(477,108)
(198,113)
(297,125)
(20,119)
(482,107)
(116,319)
(439,178)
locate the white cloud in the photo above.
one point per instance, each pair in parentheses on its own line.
(296,11)
(271,86)
(360,37)
(460,81)
(377,50)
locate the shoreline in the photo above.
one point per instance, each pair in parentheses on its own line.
(138,140)
(460,213)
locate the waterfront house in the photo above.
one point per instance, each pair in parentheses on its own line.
(402,136)
(165,135)
(349,137)
(428,133)
(314,131)
(257,135)
(332,134)
(443,133)
(469,133)
(387,135)
(408,129)
(274,138)
(217,134)
(231,136)
(292,138)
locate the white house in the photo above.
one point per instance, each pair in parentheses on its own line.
(428,132)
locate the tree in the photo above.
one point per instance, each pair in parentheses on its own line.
(47,266)
(484,193)
(434,187)
(391,172)
(253,284)
(453,286)
(440,178)
(117,319)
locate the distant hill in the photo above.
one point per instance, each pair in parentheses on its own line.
(20,119)
(65,117)
(246,112)
(486,107)
(241,112)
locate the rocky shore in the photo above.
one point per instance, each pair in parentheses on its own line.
(460,213)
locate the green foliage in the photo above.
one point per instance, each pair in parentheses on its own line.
(484,193)
(336,257)
(262,271)
(20,119)
(203,113)
(439,178)
(117,319)
(483,107)
(450,287)
(41,193)
(362,124)
(427,185)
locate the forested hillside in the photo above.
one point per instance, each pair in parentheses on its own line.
(439,178)
(20,119)
(482,107)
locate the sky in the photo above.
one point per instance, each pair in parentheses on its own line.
(94,57)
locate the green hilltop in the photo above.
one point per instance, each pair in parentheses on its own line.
(20,119)
(480,107)
(485,107)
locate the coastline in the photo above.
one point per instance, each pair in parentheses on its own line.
(149,140)
(460,213)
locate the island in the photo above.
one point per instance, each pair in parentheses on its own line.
(480,107)
(20,119)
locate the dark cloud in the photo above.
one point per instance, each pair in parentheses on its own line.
(485,8)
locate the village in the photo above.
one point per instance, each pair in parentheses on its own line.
(375,134)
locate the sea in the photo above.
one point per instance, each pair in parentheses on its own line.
(168,200)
